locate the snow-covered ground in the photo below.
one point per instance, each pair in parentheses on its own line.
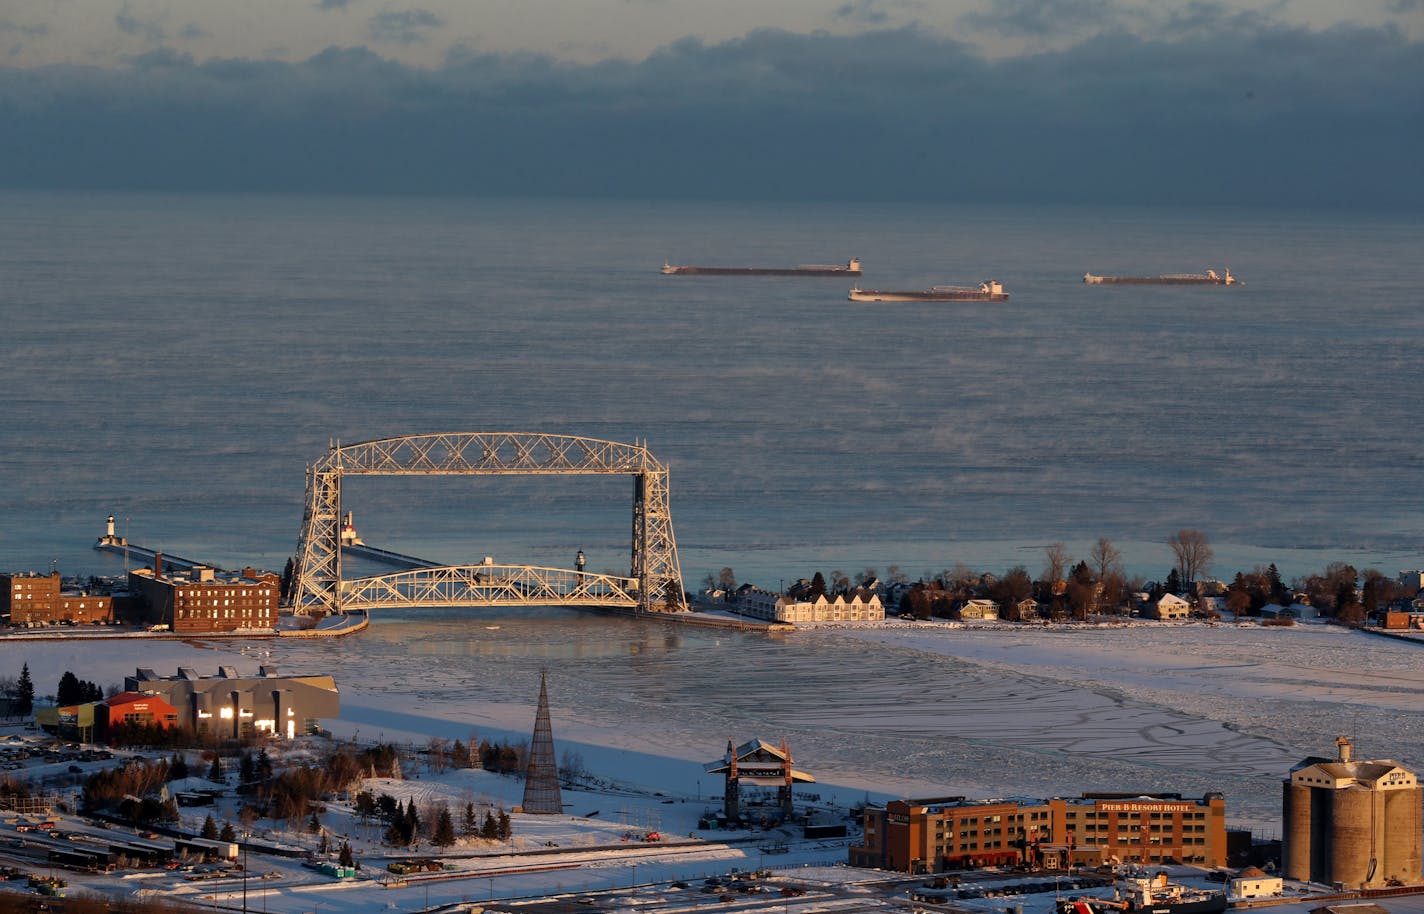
(880,711)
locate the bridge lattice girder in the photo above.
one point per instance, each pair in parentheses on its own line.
(488,585)
(317,583)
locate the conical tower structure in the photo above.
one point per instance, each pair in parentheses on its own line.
(541,778)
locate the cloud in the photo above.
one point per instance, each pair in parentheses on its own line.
(1045,18)
(332,4)
(192,31)
(1268,115)
(870,12)
(130,24)
(404,26)
(38,30)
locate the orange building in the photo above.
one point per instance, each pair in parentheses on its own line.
(1147,829)
(32,599)
(920,836)
(203,600)
(136,709)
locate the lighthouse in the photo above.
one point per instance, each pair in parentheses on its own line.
(110,538)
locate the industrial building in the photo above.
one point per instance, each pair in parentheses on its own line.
(34,599)
(204,600)
(931,835)
(1352,823)
(230,706)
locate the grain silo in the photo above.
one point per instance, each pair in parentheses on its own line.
(1352,822)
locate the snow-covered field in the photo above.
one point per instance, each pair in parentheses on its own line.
(878,711)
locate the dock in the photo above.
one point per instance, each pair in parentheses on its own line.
(386,556)
(146,556)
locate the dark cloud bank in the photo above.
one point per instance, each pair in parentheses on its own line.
(1267,116)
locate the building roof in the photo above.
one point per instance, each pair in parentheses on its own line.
(129,698)
(1359,907)
(757,755)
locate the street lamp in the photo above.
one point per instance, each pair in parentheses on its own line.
(245,837)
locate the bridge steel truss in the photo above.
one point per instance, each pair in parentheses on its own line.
(656,577)
(489,585)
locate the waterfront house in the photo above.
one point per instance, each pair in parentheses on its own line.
(1170,606)
(979,609)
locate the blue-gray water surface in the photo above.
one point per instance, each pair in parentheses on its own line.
(178,361)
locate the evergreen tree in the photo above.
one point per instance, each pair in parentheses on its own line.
(471,825)
(412,821)
(818,587)
(25,691)
(288,572)
(247,769)
(314,824)
(490,829)
(228,833)
(210,828)
(264,765)
(459,755)
(69,692)
(503,828)
(346,858)
(215,771)
(1173,583)
(1278,587)
(395,834)
(444,829)
(177,767)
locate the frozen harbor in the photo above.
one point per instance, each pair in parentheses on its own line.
(894,710)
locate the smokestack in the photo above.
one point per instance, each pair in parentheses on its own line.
(158,565)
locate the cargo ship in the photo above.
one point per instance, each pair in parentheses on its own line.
(1209,278)
(851,268)
(988,290)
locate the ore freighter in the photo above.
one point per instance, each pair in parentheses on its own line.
(989,290)
(1209,278)
(851,268)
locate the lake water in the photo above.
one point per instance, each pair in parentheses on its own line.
(179,361)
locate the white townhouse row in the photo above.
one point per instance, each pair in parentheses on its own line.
(775,607)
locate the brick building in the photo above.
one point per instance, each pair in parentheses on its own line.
(33,599)
(203,600)
(930,835)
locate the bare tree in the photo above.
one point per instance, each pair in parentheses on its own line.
(1104,557)
(1056,560)
(727,579)
(438,753)
(1192,553)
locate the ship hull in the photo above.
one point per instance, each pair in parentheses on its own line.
(1155,281)
(759,271)
(1214,905)
(874,295)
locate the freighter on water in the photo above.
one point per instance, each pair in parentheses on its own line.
(851,268)
(988,290)
(1209,278)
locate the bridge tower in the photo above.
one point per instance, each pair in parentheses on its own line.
(654,568)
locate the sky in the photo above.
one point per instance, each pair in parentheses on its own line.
(1291,102)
